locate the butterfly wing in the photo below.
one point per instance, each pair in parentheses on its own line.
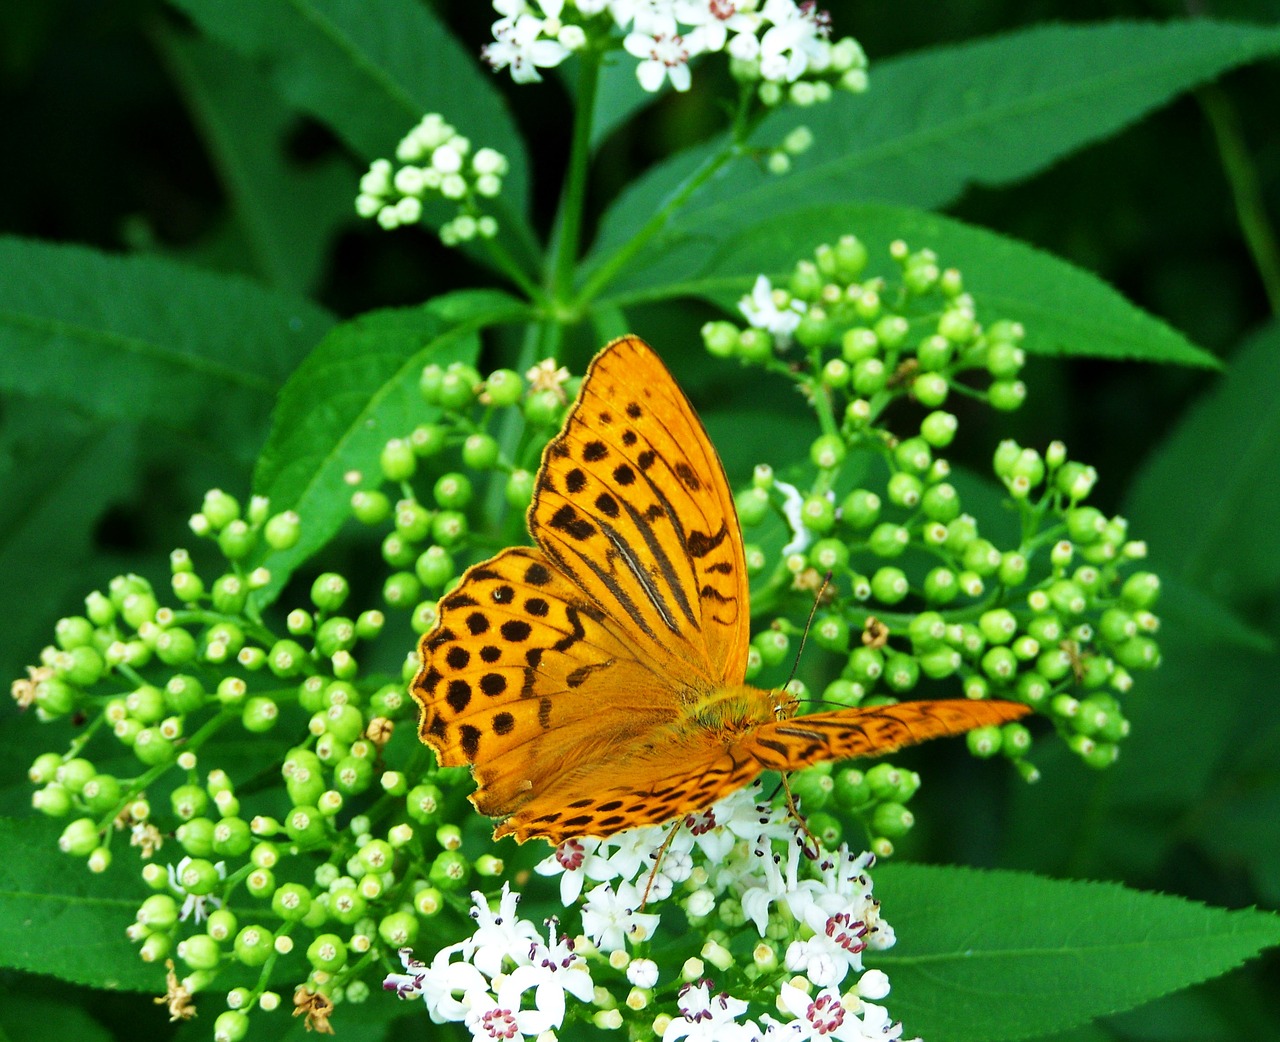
(850,734)
(528,682)
(632,504)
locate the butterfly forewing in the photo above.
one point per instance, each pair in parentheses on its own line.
(633,504)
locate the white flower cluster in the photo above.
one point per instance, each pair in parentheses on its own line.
(775,41)
(435,160)
(741,860)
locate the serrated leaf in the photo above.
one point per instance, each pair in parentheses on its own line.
(357,389)
(985,956)
(140,338)
(989,112)
(283,213)
(58,918)
(1218,466)
(370,69)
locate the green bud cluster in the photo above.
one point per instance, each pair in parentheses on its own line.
(347,855)
(435,166)
(922,593)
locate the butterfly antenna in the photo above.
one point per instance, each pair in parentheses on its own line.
(795,666)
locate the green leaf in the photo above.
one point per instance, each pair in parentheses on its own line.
(357,389)
(989,956)
(26,1017)
(1218,466)
(989,112)
(138,338)
(1066,310)
(370,69)
(59,476)
(58,918)
(283,213)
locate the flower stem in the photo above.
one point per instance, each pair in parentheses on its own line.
(566,244)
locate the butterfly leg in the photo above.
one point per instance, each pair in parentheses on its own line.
(657,860)
(803,831)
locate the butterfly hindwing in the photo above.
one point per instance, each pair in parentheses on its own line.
(524,679)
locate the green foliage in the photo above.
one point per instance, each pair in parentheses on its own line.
(135,382)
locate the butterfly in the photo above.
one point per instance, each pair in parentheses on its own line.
(595,682)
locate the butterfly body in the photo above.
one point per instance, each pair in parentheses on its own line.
(595,682)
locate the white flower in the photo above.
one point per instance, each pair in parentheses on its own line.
(778,312)
(709,1018)
(446,987)
(643,973)
(498,934)
(556,964)
(793,511)
(505,1017)
(609,916)
(713,20)
(776,884)
(794,42)
(577,860)
(648,17)
(519,44)
(664,56)
(820,1016)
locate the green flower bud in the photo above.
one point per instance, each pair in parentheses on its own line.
(888,540)
(818,513)
(237,540)
(449,871)
(888,782)
(984,742)
(353,775)
(453,491)
(449,527)
(230,1025)
(99,608)
(901,672)
(413,520)
(196,837)
(282,531)
(188,801)
(1004,360)
(259,714)
(327,952)
(813,787)
(913,455)
(832,633)
(399,929)
(998,626)
(860,509)
(504,387)
(1007,395)
(939,663)
(254,945)
(458,386)
(930,389)
(519,490)
(402,590)
(940,502)
(335,634)
(829,554)
(80,838)
(231,837)
(865,666)
(905,490)
(370,506)
(434,567)
(870,376)
(199,877)
(828,451)
(152,748)
(835,373)
(1013,568)
(851,789)
(229,595)
(940,586)
(305,825)
(1000,664)
(291,902)
(892,820)
(159,912)
(480,451)
(982,557)
(175,647)
(220,508)
(398,460)
(424,803)
(773,646)
(889,585)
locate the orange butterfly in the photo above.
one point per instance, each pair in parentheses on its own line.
(595,682)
